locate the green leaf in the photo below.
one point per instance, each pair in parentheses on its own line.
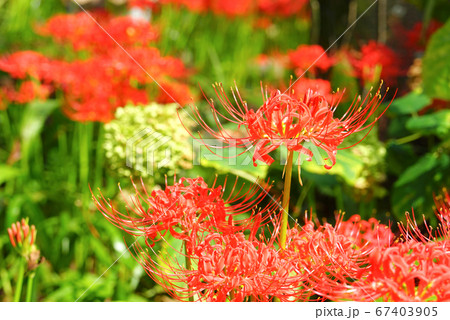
(436,64)
(241,166)
(348,166)
(415,187)
(410,103)
(437,123)
(8,173)
(34,118)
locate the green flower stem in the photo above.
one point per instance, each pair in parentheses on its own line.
(189,267)
(19,284)
(30,284)
(84,154)
(99,161)
(286,196)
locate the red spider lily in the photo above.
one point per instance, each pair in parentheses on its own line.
(303,85)
(281,7)
(198,6)
(83,33)
(27,64)
(283,119)
(310,58)
(229,267)
(331,258)
(376,56)
(28,91)
(93,88)
(23,237)
(410,271)
(365,233)
(411,231)
(21,234)
(443,205)
(174,91)
(412,38)
(232,8)
(185,210)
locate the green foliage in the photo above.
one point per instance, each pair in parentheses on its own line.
(437,123)
(410,103)
(415,187)
(436,65)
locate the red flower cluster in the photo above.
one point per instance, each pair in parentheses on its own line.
(230,259)
(109,78)
(310,58)
(285,120)
(233,8)
(82,32)
(186,209)
(376,62)
(36,72)
(411,271)
(152,4)
(412,39)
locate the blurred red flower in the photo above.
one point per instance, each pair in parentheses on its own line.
(281,7)
(27,64)
(310,58)
(96,85)
(83,33)
(232,8)
(377,62)
(412,38)
(323,87)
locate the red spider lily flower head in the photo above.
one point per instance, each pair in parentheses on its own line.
(82,31)
(282,8)
(377,61)
(365,233)
(185,209)
(409,271)
(22,237)
(151,4)
(174,91)
(199,6)
(329,257)
(303,85)
(229,267)
(232,8)
(24,64)
(310,58)
(286,120)
(79,29)
(21,234)
(412,231)
(412,38)
(442,203)
(28,91)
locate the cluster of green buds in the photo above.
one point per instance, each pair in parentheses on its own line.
(372,154)
(22,237)
(159,120)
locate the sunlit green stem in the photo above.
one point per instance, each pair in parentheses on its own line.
(99,161)
(19,284)
(30,284)
(286,196)
(188,267)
